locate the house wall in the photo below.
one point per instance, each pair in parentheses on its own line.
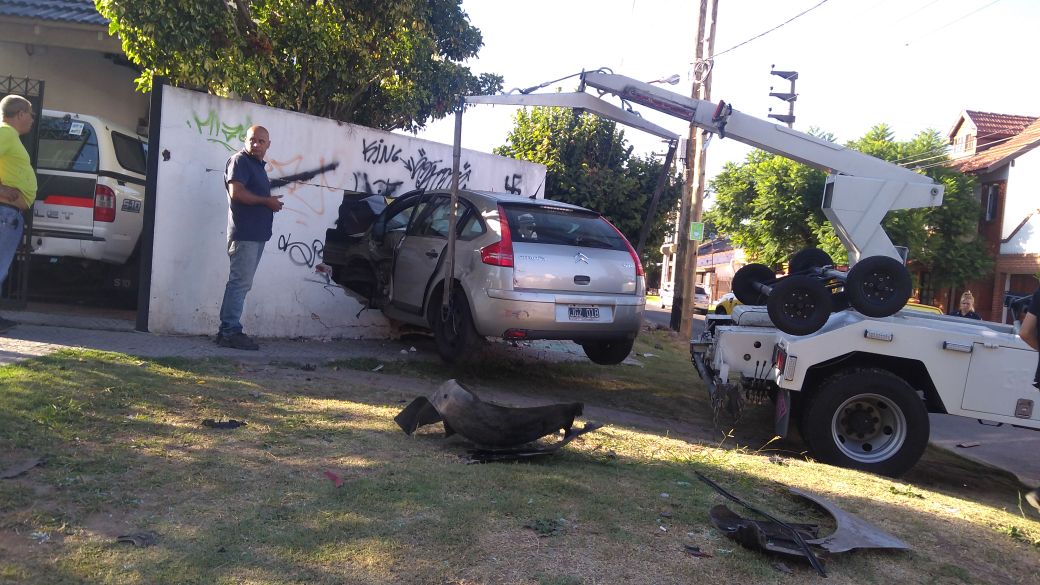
(960,148)
(190,265)
(78,80)
(1021,203)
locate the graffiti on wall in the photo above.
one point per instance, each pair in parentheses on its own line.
(215,130)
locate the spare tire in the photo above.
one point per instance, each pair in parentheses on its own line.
(799,305)
(878,286)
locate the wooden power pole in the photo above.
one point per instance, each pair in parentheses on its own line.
(693,187)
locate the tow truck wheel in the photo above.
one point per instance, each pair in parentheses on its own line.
(746,278)
(866,419)
(799,305)
(807,258)
(878,286)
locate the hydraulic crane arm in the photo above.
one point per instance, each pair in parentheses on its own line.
(861,189)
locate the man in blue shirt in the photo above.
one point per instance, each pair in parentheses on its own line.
(250,216)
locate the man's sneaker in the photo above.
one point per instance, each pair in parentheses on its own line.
(219,338)
(6,324)
(1033,498)
(237,341)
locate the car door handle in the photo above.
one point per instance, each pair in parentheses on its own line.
(432,253)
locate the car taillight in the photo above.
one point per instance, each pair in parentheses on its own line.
(631,250)
(501,252)
(104,204)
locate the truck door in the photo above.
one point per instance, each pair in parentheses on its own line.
(67,172)
(1000,382)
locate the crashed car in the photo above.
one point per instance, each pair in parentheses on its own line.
(525,269)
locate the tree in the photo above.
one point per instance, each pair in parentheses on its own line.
(385,64)
(589,163)
(770,206)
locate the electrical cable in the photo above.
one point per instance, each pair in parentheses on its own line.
(802,13)
(948,24)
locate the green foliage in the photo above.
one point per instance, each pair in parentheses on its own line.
(589,163)
(387,64)
(770,206)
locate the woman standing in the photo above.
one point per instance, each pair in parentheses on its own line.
(967,308)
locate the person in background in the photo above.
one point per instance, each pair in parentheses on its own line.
(967,308)
(1029,334)
(17,182)
(250,219)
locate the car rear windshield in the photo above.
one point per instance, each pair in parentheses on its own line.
(67,145)
(564,227)
(129,152)
(700,290)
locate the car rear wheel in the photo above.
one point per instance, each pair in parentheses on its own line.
(456,338)
(608,353)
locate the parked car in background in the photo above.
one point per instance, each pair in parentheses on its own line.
(525,269)
(89,207)
(701,299)
(666,295)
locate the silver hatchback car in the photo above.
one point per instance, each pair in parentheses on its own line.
(525,268)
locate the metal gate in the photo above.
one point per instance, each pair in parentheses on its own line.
(14,291)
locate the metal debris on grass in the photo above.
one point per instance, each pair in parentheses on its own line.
(695,551)
(141,539)
(500,433)
(223,424)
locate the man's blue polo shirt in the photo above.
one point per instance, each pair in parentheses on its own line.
(249,223)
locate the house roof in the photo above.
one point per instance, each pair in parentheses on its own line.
(993,125)
(999,154)
(74,11)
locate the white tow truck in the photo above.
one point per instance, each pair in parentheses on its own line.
(834,350)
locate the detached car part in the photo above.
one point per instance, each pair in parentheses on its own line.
(498,431)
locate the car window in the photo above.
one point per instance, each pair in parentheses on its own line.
(400,216)
(434,223)
(700,290)
(67,145)
(564,227)
(471,225)
(130,153)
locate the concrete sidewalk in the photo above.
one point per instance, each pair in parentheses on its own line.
(1012,449)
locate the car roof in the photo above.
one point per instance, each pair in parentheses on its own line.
(511,199)
(93,120)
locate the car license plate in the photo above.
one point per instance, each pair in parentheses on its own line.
(583,313)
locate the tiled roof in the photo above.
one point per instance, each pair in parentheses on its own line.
(1023,142)
(990,124)
(76,11)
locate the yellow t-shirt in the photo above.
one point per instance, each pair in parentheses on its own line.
(15,169)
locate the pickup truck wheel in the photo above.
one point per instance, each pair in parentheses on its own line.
(746,278)
(456,338)
(870,420)
(878,286)
(608,353)
(799,305)
(807,258)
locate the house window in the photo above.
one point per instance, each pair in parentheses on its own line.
(926,292)
(990,201)
(969,142)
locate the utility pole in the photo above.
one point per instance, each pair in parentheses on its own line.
(693,187)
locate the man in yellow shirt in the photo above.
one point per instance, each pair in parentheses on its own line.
(17,181)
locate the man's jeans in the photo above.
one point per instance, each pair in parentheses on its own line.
(245,257)
(11,226)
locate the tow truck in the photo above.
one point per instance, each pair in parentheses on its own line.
(833,349)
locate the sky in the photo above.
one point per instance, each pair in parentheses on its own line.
(911,64)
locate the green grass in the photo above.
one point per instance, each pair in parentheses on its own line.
(125,452)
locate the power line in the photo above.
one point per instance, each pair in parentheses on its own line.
(951,23)
(802,13)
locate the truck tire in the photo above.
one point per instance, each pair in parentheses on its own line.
(807,258)
(866,419)
(878,286)
(746,278)
(799,305)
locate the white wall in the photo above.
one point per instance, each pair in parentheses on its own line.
(79,81)
(190,265)
(1023,199)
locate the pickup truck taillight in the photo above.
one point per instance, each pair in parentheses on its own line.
(104,204)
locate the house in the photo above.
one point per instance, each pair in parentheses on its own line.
(1000,151)
(66,44)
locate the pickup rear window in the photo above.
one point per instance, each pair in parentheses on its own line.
(129,152)
(564,227)
(67,145)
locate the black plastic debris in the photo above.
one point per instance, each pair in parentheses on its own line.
(499,432)
(695,551)
(139,539)
(762,535)
(223,424)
